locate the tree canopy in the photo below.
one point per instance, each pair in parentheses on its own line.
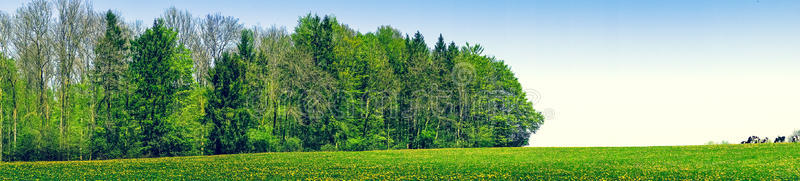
(88,86)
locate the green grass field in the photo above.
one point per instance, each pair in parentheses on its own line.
(718,162)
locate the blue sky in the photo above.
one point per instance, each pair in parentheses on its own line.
(624,73)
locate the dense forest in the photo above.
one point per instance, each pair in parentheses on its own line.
(80,84)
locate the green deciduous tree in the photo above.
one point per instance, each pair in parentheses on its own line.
(33,44)
(126,91)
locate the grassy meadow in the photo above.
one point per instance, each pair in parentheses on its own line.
(716,162)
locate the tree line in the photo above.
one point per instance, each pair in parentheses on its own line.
(78,84)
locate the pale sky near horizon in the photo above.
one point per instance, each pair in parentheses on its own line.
(608,73)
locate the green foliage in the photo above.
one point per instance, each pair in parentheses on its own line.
(315,35)
(355,144)
(261,140)
(483,138)
(113,133)
(425,139)
(159,71)
(323,86)
(328,147)
(292,144)
(188,119)
(226,110)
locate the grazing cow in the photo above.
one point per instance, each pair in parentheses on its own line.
(751,139)
(780,139)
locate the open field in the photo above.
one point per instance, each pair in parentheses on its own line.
(761,161)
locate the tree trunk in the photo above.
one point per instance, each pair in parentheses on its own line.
(274,117)
(202,133)
(91,127)
(81,140)
(61,120)
(460,115)
(284,125)
(92,115)
(437,130)
(14,116)
(43,110)
(366,119)
(66,115)
(388,132)
(2,120)
(42,101)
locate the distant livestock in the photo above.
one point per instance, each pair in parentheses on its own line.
(779,139)
(752,139)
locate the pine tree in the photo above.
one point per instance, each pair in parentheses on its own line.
(227,111)
(112,129)
(315,35)
(160,69)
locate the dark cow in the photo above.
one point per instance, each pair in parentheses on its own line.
(752,139)
(794,139)
(780,139)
